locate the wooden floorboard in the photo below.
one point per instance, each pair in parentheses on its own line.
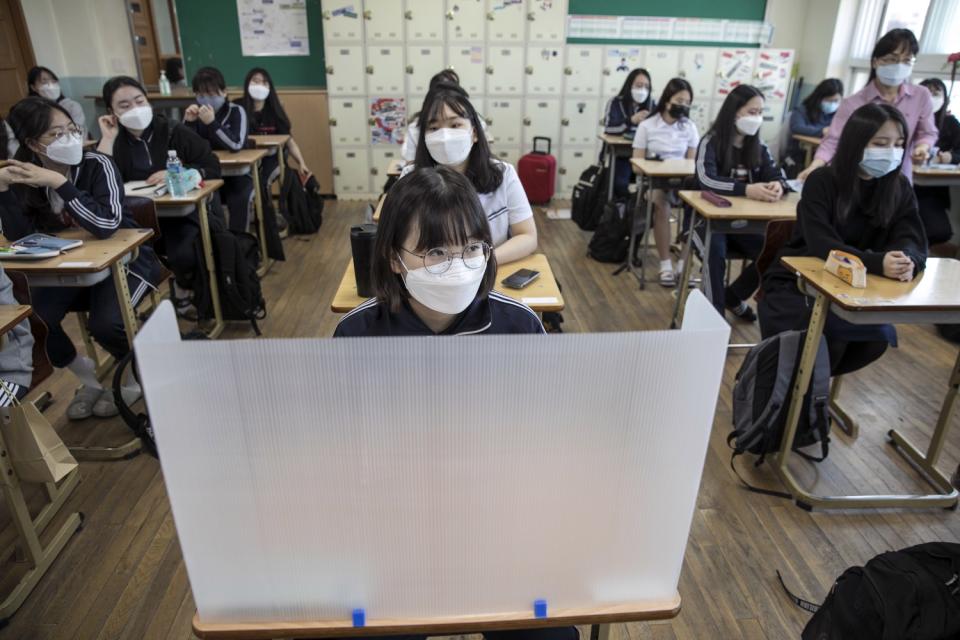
(123,575)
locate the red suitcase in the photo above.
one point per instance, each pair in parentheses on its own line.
(538,174)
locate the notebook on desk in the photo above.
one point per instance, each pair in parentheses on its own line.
(37,246)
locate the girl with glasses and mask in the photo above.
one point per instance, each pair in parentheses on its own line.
(224,125)
(934,202)
(812,118)
(667,134)
(732,160)
(452,136)
(625,111)
(54,185)
(862,204)
(138,139)
(891,65)
(434,267)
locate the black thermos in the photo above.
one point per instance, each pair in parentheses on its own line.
(362,238)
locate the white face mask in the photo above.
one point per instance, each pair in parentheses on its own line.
(138,118)
(894,75)
(749,125)
(879,161)
(67,150)
(50,91)
(449,292)
(640,95)
(450,146)
(937,102)
(258,91)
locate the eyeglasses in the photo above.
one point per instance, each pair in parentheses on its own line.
(438,259)
(893,58)
(64,133)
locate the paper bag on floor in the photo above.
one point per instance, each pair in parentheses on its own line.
(36,451)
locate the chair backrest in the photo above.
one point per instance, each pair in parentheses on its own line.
(144,212)
(778,232)
(42,367)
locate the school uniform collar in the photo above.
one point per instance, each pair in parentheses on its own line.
(223,111)
(476,318)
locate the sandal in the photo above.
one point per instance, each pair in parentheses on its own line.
(81,407)
(668,279)
(105,406)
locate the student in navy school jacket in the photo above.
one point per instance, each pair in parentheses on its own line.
(53,185)
(812,118)
(224,125)
(625,111)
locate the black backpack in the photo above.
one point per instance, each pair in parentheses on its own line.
(761,400)
(303,204)
(237,257)
(912,593)
(611,240)
(589,196)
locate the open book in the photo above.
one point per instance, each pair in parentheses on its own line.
(36,246)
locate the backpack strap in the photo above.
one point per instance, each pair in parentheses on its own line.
(820,401)
(750,487)
(806,605)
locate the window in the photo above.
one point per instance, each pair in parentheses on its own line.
(905,14)
(942,27)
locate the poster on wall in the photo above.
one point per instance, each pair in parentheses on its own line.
(387,120)
(273,27)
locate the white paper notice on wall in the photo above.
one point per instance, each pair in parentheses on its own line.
(274,27)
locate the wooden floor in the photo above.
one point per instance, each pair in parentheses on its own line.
(123,576)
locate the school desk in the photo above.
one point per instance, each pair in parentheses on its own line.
(92,262)
(395,168)
(936,176)
(652,173)
(809,145)
(278,142)
(376,212)
(541,295)
(744,216)
(89,145)
(932,297)
(10,316)
(615,146)
(240,163)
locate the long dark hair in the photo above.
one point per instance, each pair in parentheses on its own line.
(826,88)
(174,69)
(34,75)
(110,87)
(857,132)
(4,140)
(481,170)
(271,104)
(627,98)
(675,86)
(447,76)
(889,43)
(937,83)
(724,130)
(444,206)
(208,80)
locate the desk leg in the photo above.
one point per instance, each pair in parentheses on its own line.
(611,164)
(705,267)
(684,284)
(646,232)
(265,262)
(211,271)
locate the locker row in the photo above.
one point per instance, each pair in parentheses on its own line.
(511,21)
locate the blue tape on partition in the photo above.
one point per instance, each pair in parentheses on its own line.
(540,608)
(359,618)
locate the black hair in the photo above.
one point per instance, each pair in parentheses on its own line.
(446,210)
(627,98)
(208,80)
(447,76)
(174,69)
(110,87)
(271,104)
(34,75)
(4,140)
(857,132)
(826,88)
(483,173)
(675,86)
(937,83)
(889,43)
(724,129)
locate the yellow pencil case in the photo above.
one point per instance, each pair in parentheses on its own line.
(848,268)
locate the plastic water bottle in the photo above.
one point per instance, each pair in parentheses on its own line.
(164,84)
(174,174)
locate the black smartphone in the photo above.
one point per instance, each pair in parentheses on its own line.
(520,279)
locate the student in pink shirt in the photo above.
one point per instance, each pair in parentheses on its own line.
(892,63)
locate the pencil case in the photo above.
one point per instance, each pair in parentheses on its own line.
(848,268)
(715,200)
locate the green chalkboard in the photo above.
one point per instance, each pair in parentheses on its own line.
(210,36)
(716,9)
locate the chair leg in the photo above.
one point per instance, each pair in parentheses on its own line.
(847,424)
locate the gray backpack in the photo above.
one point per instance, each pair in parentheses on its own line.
(761,400)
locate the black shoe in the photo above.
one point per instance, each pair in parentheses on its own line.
(552,321)
(743,311)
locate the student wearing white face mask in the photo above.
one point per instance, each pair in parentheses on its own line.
(812,117)
(935,201)
(44,83)
(434,267)
(54,185)
(862,204)
(732,160)
(450,127)
(891,65)
(625,111)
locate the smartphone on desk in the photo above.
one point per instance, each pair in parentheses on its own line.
(520,279)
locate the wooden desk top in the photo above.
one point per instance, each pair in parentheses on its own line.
(631,612)
(376,212)
(936,172)
(395,167)
(269,141)
(936,289)
(93,256)
(239,158)
(675,168)
(814,140)
(11,315)
(89,144)
(191,197)
(615,140)
(542,295)
(743,208)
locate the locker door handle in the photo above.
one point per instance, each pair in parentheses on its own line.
(368,15)
(565,122)
(370,69)
(529,70)
(336,171)
(531,16)
(329,69)
(606,72)
(373,171)
(489,121)
(527,122)
(408,15)
(719,74)
(449,15)
(568,71)
(326,15)
(682,74)
(490,71)
(371,121)
(562,171)
(601,122)
(333,122)
(490,16)
(409,68)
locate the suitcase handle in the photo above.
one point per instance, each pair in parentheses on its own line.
(535,138)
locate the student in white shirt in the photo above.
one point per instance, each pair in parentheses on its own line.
(667,134)
(451,127)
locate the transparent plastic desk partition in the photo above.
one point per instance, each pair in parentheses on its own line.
(422,477)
